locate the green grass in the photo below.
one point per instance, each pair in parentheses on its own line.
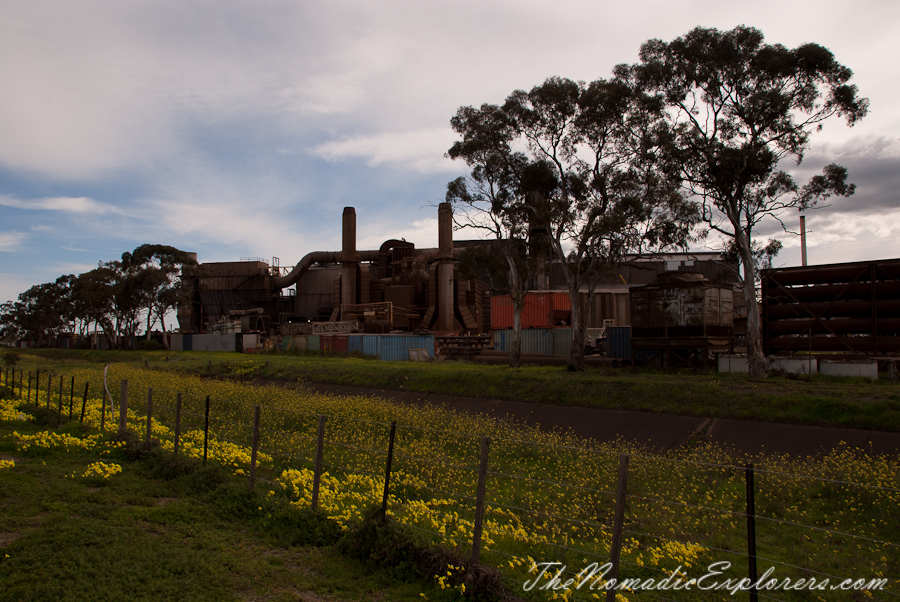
(566,495)
(819,400)
(139,536)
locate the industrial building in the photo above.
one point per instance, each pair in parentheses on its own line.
(398,288)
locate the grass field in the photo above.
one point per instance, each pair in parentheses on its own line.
(548,495)
(156,531)
(820,400)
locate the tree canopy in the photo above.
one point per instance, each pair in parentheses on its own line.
(586,173)
(115,296)
(735,108)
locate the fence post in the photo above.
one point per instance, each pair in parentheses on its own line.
(21,377)
(84,400)
(149,415)
(177,421)
(206,432)
(317,474)
(28,399)
(72,398)
(49,388)
(103,410)
(59,411)
(616,550)
(479,499)
(387,471)
(255,448)
(123,406)
(751,532)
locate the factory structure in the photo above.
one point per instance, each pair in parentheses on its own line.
(665,311)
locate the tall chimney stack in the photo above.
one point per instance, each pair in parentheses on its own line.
(446,320)
(348,258)
(803,240)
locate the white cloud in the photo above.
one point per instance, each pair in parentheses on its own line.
(423,233)
(64,204)
(12,285)
(421,150)
(11,241)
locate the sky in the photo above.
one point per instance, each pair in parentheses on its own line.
(238,129)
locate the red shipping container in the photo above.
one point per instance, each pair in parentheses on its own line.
(542,310)
(334,342)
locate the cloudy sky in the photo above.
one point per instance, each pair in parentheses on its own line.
(242,128)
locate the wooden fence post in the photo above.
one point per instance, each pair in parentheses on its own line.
(28,399)
(72,398)
(123,406)
(255,447)
(84,400)
(206,432)
(59,411)
(177,421)
(616,550)
(317,473)
(49,388)
(479,499)
(751,532)
(149,416)
(387,471)
(103,410)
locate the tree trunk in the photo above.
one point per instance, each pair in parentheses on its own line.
(162,319)
(515,347)
(576,356)
(755,358)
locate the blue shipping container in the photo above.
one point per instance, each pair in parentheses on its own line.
(395,347)
(618,342)
(355,343)
(534,340)
(562,341)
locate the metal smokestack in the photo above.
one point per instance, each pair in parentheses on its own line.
(803,240)
(445,268)
(348,258)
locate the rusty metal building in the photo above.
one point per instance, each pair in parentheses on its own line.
(680,319)
(844,308)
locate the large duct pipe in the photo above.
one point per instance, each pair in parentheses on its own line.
(280,282)
(348,258)
(309,259)
(445,268)
(384,258)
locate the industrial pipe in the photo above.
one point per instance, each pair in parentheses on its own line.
(310,259)
(348,258)
(445,268)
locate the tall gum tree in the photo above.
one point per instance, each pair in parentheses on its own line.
(606,195)
(494,199)
(735,108)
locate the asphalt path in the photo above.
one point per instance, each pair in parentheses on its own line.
(659,432)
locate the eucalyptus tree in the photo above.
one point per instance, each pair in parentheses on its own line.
(735,109)
(158,286)
(606,194)
(494,200)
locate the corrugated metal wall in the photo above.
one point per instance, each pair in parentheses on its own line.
(618,342)
(390,347)
(546,341)
(214,342)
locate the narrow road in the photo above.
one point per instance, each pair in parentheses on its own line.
(657,431)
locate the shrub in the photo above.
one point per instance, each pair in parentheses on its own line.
(148,345)
(11,357)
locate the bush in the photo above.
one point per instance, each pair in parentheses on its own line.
(11,357)
(148,345)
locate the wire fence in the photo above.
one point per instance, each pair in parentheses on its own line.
(548,515)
